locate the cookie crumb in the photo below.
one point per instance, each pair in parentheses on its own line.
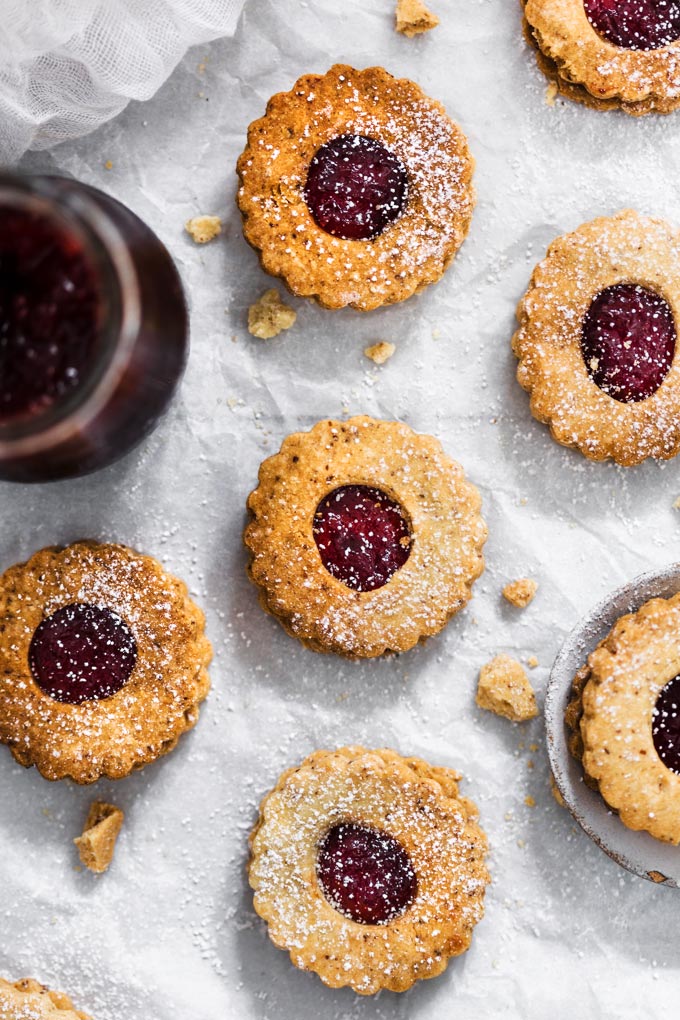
(551,93)
(529,801)
(676,505)
(521,592)
(269,316)
(202,229)
(380,352)
(414,18)
(532,662)
(98,841)
(555,790)
(108,165)
(656,876)
(504,688)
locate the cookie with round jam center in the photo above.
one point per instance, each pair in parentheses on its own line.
(666,725)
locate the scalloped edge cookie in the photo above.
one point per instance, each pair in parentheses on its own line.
(419,805)
(593,71)
(143,720)
(29,1000)
(420,598)
(610,718)
(410,253)
(626,248)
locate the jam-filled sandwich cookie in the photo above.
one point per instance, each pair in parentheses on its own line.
(28,1000)
(609,54)
(355,188)
(625,718)
(369,868)
(102,661)
(365,538)
(598,336)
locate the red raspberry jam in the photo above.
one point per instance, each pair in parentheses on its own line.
(82,653)
(666,725)
(365,874)
(628,341)
(355,187)
(635,24)
(362,536)
(50,304)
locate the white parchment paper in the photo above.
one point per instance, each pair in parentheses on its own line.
(169,932)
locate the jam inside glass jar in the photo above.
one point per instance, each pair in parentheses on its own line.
(93,328)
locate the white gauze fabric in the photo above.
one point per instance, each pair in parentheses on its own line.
(66,66)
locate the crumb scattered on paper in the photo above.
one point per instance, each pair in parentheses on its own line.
(529,801)
(504,688)
(202,229)
(532,662)
(270,316)
(520,593)
(676,505)
(108,165)
(413,18)
(98,841)
(554,789)
(380,352)
(551,93)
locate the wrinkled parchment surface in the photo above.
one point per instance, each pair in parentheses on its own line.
(170,931)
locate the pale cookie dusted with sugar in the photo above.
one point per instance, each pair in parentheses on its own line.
(623,55)
(103,661)
(521,592)
(597,339)
(414,18)
(364,537)
(203,229)
(369,868)
(356,188)
(625,719)
(270,316)
(29,1000)
(97,844)
(505,689)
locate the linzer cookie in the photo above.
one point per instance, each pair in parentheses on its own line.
(625,719)
(103,661)
(28,1000)
(364,537)
(597,339)
(356,188)
(369,868)
(609,55)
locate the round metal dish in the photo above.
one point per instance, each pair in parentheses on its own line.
(637,851)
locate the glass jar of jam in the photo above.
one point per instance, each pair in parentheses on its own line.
(93,328)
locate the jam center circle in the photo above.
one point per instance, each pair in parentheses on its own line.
(666,725)
(362,536)
(635,24)
(628,341)
(355,187)
(50,302)
(82,653)
(365,874)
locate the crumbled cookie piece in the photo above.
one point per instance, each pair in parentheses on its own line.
(551,93)
(676,505)
(530,801)
(202,229)
(532,662)
(520,593)
(380,352)
(98,841)
(504,688)
(269,316)
(414,18)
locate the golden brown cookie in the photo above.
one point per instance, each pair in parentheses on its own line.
(625,719)
(365,538)
(369,868)
(102,661)
(355,188)
(597,339)
(28,1000)
(609,56)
